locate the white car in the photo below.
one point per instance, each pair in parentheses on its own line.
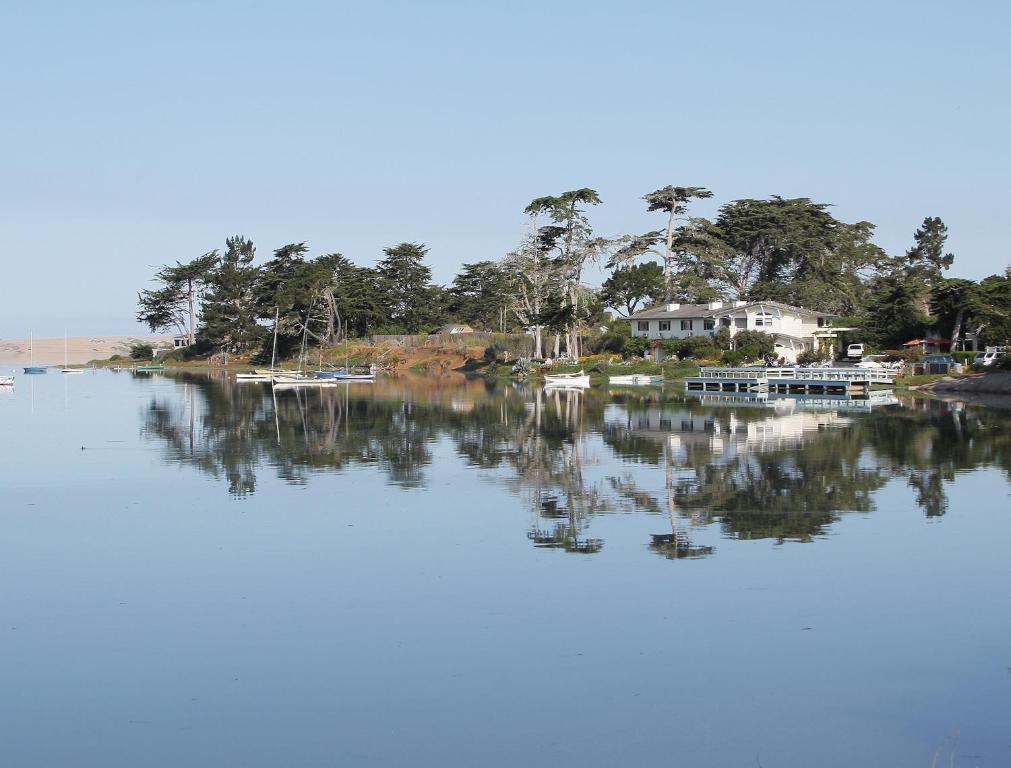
(855,350)
(987,358)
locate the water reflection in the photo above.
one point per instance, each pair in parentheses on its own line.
(759,468)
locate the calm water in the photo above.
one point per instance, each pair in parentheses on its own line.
(447,573)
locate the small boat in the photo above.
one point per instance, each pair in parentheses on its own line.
(580,379)
(288,382)
(7,381)
(636,379)
(66,366)
(149,368)
(254,376)
(32,368)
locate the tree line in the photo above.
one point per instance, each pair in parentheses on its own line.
(790,250)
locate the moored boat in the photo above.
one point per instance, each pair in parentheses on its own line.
(636,379)
(7,381)
(32,368)
(580,379)
(287,382)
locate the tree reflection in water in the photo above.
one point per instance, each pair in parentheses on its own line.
(781,472)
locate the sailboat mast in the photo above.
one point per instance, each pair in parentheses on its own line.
(273,355)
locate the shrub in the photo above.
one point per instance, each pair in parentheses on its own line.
(722,338)
(754,345)
(635,347)
(699,347)
(141,352)
(964,357)
(615,339)
(811,357)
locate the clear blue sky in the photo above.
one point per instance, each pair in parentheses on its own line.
(135,134)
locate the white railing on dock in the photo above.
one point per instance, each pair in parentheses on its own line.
(870,375)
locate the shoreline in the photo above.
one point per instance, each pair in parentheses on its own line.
(79,349)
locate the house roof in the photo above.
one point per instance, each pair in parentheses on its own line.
(458,327)
(702,310)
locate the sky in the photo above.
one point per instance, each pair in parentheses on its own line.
(137,134)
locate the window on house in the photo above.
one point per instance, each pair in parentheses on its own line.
(725,322)
(741,322)
(686,325)
(763,320)
(821,322)
(643,325)
(665,325)
(709,323)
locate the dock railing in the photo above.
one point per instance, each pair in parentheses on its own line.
(794,373)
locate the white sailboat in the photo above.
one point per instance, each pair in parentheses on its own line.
(7,381)
(66,366)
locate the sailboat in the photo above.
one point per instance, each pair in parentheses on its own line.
(66,366)
(32,368)
(7,381)
(264,374)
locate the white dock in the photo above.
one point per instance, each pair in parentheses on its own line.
(789,380)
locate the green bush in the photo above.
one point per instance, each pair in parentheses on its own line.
(964,357)
(811,357)
(722,338)
(141,352)
(754,345)
(699,348)
(635,347)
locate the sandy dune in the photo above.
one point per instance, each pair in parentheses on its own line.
(80,349)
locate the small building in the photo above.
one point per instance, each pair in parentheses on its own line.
(794,329)
(180,342)
(453,329)
(929,346)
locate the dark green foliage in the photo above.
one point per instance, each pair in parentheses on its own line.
(628,287)
(479,296)
(409,300)
(753,345)
(230,311)
(141,352)
(927,256)
(173,306)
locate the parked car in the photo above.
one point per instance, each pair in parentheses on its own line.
(987,358)
(939,363)
(855,351)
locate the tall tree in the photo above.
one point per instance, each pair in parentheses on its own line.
(174,304)
(531,279)
(674,243)
(229,314)
(478,295)
(406,286)
(628,287)
(571,235)
(927,256)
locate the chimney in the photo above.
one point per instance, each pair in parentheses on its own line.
(673,307)
(715,304)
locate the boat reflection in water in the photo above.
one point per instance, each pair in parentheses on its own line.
(744,467)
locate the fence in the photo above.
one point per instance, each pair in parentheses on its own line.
(518,343)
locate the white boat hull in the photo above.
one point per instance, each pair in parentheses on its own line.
(636,379)
(567,380)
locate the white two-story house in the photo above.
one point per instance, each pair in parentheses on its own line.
(795,329)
